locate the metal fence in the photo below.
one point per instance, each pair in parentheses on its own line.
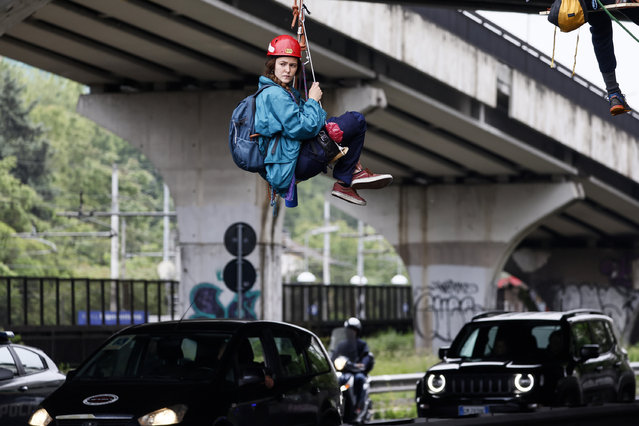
(320,307)
(52,301)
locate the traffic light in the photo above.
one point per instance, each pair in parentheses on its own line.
(240,241)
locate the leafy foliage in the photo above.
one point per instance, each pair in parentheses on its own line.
(55,161)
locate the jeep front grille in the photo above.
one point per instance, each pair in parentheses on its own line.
(477,384)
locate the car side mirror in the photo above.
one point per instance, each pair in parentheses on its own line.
(443,351)
(71,373)
(251,376)
(589,351)
(5,374)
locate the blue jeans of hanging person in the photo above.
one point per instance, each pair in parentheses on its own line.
(309,164)
(601,30)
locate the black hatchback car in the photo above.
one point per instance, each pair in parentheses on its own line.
(200,372)
(27,376)
(502,362)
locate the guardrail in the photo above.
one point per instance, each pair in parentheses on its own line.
(406,382)
(394,382)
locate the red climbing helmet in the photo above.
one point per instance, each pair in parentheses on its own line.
(284,45)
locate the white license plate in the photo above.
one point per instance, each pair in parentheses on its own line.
(465,410)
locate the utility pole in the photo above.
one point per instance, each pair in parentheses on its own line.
(326,275)
(115,209)
(115,255)
(360,250)
(165,222)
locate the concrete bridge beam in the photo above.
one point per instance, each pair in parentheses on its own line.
(455,240)
(185,136)
(363,99)
(13,12)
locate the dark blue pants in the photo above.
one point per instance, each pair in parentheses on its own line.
(601,30)
(309,164)
(360,379)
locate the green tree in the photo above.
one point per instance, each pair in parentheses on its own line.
(77,165)
(19,137)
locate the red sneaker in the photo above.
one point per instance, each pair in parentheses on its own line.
(347,194)
(365,179)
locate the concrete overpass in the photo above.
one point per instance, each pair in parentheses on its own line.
(500,161)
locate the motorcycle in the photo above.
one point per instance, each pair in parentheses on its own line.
(343,349)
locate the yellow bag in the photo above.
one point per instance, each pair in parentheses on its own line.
(568,15)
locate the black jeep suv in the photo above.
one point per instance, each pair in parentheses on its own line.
(501,362)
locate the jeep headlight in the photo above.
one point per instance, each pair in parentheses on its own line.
(435,383)
(40,418)
(524,382)
(164,416)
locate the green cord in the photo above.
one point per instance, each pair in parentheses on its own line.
(617,20)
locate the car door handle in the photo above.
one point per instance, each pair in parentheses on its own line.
(599,367)
(23,388)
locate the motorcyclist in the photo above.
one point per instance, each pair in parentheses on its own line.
(361,357)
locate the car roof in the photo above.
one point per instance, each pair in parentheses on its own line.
(219,325)
(540,316)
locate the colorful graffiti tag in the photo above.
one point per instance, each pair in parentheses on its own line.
(205,302)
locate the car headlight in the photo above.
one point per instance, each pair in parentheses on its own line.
(436,383)
(524,382)
(40,418)
(164,416)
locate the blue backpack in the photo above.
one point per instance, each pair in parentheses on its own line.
(243,141)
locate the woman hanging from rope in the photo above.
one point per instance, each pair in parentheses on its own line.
(284,121)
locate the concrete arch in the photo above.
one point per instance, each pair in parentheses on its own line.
(455,239)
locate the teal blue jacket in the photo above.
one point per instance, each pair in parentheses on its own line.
(284,120)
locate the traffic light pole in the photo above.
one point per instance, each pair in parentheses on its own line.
(240,310)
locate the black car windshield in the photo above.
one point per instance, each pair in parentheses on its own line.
(157,357)
(518,341)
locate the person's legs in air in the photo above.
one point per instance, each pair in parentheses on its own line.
(602,43)
(348,170)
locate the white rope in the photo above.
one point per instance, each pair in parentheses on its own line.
(308,45)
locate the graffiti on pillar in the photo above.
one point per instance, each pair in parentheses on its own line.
(451,304)
(205,299)
(618,270)
(618,302)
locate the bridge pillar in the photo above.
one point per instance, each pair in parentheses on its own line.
(455,240)
(185,135)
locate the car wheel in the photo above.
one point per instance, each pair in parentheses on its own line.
(330,419)
(570,398)
(627,393)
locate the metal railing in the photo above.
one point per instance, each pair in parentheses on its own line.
(52,301)
(324,306)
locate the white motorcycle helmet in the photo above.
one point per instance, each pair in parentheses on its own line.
(353,322)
